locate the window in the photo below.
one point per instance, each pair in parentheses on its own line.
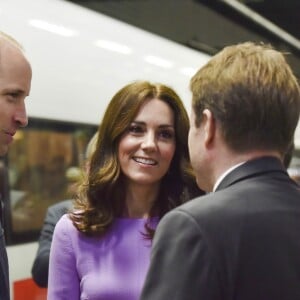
(43,163)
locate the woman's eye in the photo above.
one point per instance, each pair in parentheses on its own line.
(167,134)
(135,129)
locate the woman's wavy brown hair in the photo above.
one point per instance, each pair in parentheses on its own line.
(101,195)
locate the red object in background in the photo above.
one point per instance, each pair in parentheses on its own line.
(28,290)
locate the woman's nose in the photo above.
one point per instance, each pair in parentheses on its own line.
(149,141)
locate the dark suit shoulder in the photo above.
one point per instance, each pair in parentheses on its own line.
(251,193)
(61,206)
(58,209)
(252,205)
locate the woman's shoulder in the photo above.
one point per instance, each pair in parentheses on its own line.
(65,223)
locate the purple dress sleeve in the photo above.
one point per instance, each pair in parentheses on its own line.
(63,278)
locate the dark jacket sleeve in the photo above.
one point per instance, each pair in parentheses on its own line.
(181,262)
(40,266)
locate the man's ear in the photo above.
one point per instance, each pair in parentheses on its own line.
(209,127)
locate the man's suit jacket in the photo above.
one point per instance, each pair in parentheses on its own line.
(40,266)
(4,276)
(4,270)
(241,242)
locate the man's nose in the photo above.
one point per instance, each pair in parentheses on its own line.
(21,116)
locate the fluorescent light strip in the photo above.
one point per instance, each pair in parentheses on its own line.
(113,46)
(158,61)
(57,29)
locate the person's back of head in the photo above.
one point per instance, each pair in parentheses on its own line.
(253,95)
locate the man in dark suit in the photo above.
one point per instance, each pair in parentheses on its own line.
(15,83)
(241,240)
(41,262)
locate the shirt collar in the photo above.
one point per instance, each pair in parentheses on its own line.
(224,174)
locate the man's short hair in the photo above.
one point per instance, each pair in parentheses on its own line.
(253,95)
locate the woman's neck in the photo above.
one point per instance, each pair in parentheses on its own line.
(139,200)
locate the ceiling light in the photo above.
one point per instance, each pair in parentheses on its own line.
(57,29)
(113,46)
(158,61)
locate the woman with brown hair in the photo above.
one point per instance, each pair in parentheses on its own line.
(139,170)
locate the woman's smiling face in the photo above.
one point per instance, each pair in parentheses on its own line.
(147,147)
